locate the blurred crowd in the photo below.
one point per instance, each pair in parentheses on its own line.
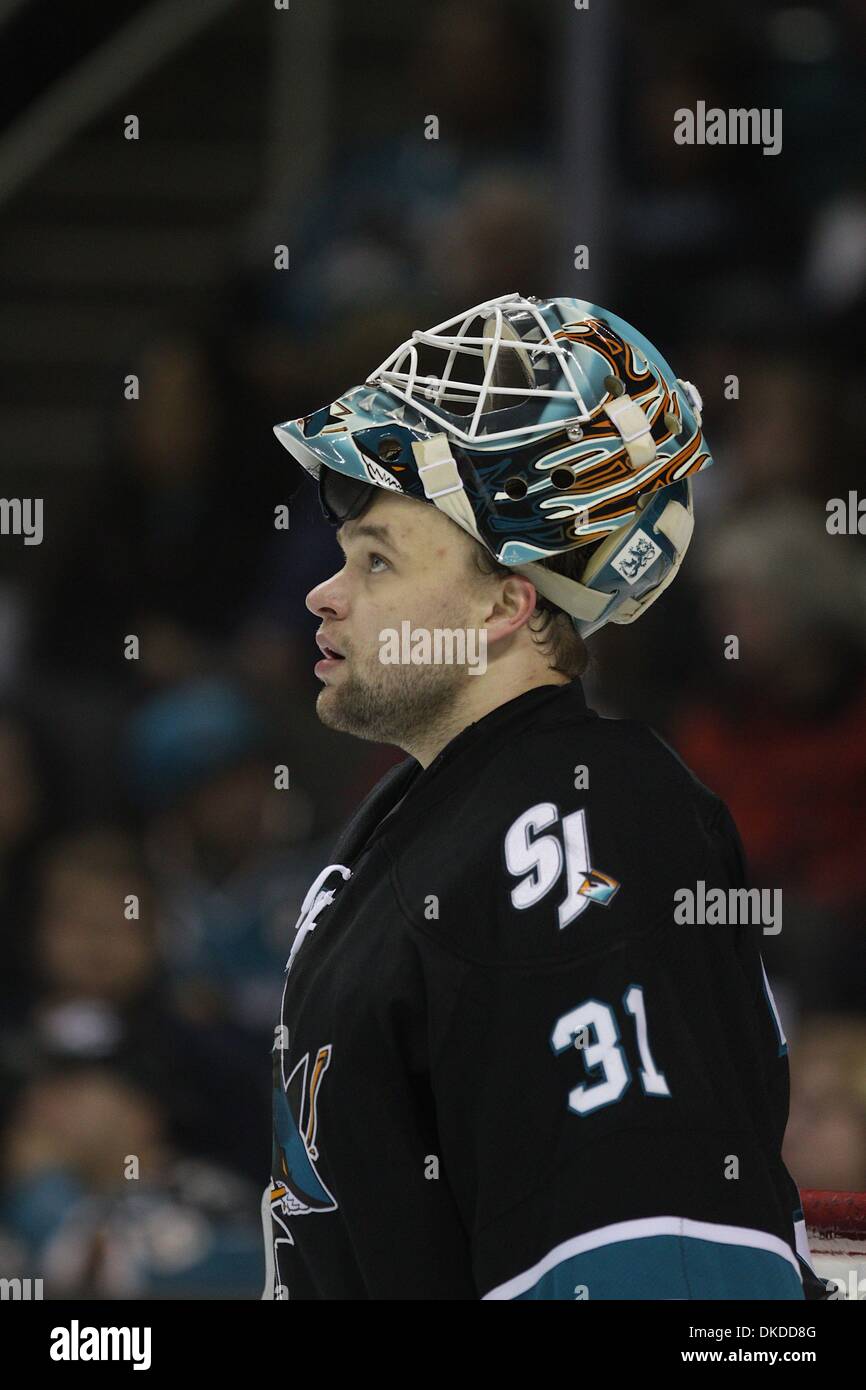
(151,870)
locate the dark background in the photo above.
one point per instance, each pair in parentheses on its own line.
(154,776)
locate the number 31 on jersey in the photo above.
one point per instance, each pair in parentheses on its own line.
(592,1029)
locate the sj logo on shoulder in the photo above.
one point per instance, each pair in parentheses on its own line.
(538,858)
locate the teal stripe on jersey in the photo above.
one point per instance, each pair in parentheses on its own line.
(676,1267)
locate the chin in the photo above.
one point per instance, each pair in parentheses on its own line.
(323,697)
(328,707)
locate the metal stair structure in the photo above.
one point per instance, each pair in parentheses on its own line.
(102,238)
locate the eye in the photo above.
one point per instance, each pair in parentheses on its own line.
(373,556)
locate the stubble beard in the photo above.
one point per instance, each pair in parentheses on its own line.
(399,704)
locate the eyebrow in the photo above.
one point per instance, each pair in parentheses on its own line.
(371,531)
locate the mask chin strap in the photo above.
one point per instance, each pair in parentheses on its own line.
(443,486)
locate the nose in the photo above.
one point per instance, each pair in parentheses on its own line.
(328,597)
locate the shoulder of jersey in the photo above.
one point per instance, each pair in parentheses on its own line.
(562,846)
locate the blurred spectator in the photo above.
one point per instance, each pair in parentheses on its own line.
(496,238)
(365,239)
(825,1145)
(169,538)
(101,1205)
(101,995)
(31,805)
(230,851)
(783,429)
(782,736)
(836,262)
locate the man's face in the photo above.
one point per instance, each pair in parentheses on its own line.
(404,561)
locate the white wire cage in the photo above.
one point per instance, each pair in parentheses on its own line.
(428,393)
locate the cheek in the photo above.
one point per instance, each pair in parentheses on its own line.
(452,597)
(437,596)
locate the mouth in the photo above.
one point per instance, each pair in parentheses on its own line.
(330,657)
(327,650)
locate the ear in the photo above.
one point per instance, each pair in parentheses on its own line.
(513,603)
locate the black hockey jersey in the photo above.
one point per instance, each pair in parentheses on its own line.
(507,1064)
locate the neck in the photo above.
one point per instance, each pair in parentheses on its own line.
(479,699)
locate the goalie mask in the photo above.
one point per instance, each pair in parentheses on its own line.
(539,427)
